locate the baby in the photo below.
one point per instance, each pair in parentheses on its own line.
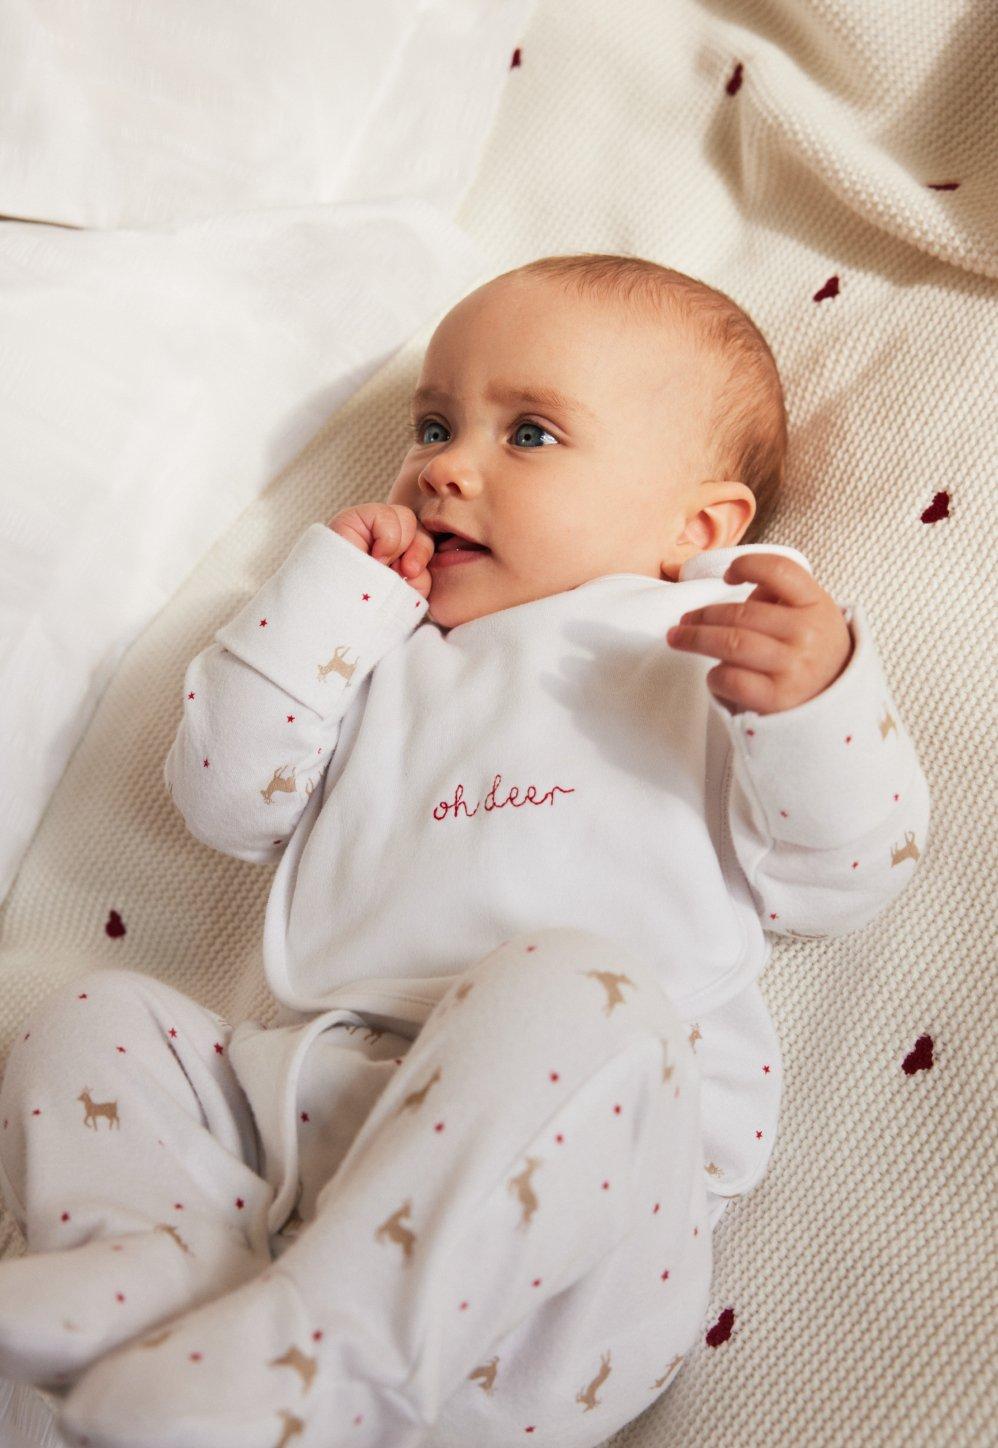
(544,755)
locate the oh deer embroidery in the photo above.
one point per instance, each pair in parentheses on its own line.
(93,1109)
(886,725)
(337,665)
(293,1427)
(611,984)
(301,1362)
(672,1368)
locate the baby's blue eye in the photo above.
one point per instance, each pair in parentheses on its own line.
(420,427)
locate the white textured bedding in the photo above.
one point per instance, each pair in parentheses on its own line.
(788,151)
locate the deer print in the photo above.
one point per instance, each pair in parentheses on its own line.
(611,984)
(292,1427)
(695,1035)
(415,1098)
(713,1169)
(908,851)
(294,1222)
(93,1109)
(589,1396)
(886,725)
(392,1227)
(523,1189)
(295,1358)
(279,784)
(666,1070)
(672,1368)
(155,1341)
(486,1375)
(372,1033)
(337,665)
(172,1232)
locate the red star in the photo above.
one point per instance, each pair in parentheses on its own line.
(195,1357)
(240,1203)
(848,738)
(855,864)
(665,1275)
(121,1049)
(205,763)
(655,1208)
(606,1186)
(758,1136)
(191,694)
(559,1138)
(616,1110)
(462,1307)
(365,596)
(439,1126)
(766,1070)
(263,623)
(896,798)
(304,1116)
(82,997)
(553,1075)
(172,1032)
(317,1335)
(37,1111)
(178,1206)
(536,1282)
(119,1297)
(291,718)
(64,1217)
(219,1049)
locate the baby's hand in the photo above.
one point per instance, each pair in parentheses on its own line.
(390,533)
(785,643)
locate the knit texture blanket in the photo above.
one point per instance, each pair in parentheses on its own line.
(832,166)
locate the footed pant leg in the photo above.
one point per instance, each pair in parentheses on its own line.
(127,1157)
(546,1114)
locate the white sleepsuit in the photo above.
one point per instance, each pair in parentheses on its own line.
(527,868)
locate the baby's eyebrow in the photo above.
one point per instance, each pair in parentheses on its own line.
(513,394)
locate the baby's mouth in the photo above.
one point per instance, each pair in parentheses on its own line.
(449,542)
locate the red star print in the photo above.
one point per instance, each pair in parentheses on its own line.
(219,1049)
(606,1186)
(64,1217)
(554,1075)
(896,798)
(750,731)
(696,1231)
(439,1126)
(758,1136)
(655,1208)
(317,1335)
(559,1138)
(512,65)
(195,1357)
(240,1203)
(616,1110)
(462,1307)
(531,947)
(665,1275)
(27,1034)
(305,1116)
(204,763)
(855,864)
(119,1297)
(172,1032)
(82,997)
(291,718)
(121,1049)
(773,915)
(178,1206)
(365,596)
(766,1070)
(191,694)
(37,1111)
(263,623)
(536,1282)
(848,738)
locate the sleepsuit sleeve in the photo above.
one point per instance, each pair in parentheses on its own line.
(827,806)
(264,702)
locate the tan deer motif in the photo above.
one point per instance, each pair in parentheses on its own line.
(694,1036)
(415,1098)
(172,1232)
(666,1069)
(301,1362)
(886,725)
(908,851)
(280,784)
(93,1109)
(372,1033)
(713,1169)
(523,1189)
(294,1222)
(392,1227)
(672,1368)
(155,1341)
(589,1396)
(337,665)
(611,984)
(292,1427)
(486,1375)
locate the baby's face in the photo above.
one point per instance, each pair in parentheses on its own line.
(561,491)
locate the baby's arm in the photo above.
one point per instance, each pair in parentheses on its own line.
(828,807)
(263,704)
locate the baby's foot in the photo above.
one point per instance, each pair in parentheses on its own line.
(59,1311)
(254,1369)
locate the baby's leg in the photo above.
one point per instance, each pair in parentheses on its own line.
(127,1157)
(547,1106)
